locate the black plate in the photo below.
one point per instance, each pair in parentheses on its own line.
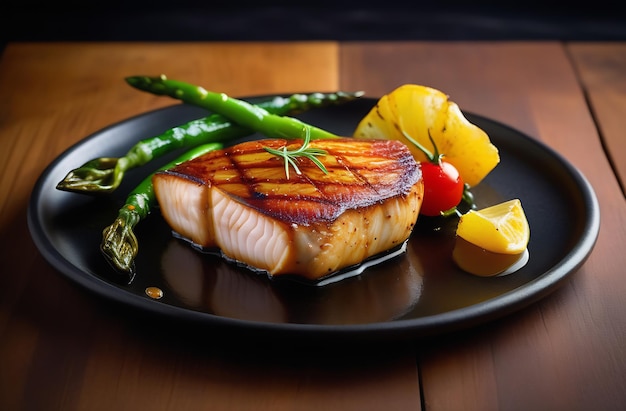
(416,294)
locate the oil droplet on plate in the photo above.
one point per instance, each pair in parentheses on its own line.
(154,293)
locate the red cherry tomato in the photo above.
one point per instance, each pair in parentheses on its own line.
(443,188)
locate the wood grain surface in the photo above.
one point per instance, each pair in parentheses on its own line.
(601,67)
(64,348)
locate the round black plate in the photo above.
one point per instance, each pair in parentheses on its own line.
(416,294)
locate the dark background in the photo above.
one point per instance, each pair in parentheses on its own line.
(186,20)
(193,20)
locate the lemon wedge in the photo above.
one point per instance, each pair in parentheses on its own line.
(501,228)
(492,239)
(423,113)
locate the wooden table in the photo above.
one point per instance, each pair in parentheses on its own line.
(62,348)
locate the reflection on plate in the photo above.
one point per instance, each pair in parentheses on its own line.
(209,284)
(415,294)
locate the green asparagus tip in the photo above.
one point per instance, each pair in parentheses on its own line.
(145,82)
(135,80)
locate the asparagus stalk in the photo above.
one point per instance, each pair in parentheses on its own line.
(239,111)
(105,174)
(119,244)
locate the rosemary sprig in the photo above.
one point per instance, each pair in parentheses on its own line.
(290,156)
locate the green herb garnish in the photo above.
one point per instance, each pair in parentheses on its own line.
(291,156)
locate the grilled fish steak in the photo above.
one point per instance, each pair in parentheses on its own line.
(311,224)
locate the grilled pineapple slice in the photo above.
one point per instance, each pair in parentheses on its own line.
(419,111)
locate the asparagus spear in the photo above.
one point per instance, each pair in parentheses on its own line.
(103,175)
(119,243)
(239,111)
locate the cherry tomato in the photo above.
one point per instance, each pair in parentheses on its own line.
(443,188)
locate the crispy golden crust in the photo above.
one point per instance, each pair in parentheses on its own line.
(360,173)
(313,224)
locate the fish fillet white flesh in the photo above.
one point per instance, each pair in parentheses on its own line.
(311,224)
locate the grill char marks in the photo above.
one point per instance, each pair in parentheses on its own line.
(311,224)
(360,173)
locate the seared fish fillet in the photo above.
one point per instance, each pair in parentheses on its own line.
(311,225)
